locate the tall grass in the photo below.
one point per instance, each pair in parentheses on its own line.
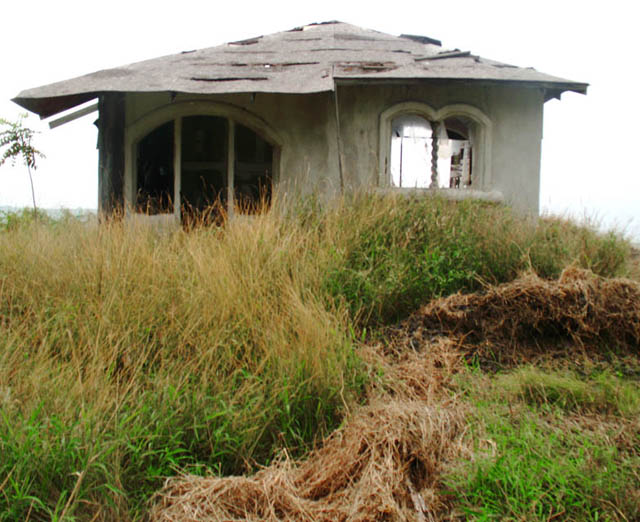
(397,253)
(125,355)
(128,354)
(549,444)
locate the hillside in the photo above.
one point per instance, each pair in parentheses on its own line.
(383,358)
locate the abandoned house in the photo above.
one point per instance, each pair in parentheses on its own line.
(326,107)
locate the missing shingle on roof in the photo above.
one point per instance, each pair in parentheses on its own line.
(188,52)
(367,66)
(328,22)
(313,39)
(422,39)
(351,36)
(248,41)
(447,54)
(506,66)
(281,64)
(266,65)
(292,64)
(242,51)
(309,26)
(230,79)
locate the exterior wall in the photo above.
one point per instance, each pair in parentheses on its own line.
(304,125)
(516,133)
(110,152)
(306,129)
(517,136)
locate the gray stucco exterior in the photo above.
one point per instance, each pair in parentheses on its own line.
(307,137)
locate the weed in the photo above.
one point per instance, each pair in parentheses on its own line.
(129,354)
(606,393)
(397,253)
(535,460)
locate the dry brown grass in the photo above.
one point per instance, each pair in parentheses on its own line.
(387,462)
(384,464)
(153,350)
(129,353)
(516,320)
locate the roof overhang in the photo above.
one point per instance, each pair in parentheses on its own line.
(304,60)
(49,106)
(551,89)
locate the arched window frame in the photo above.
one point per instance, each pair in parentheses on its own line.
(174,112)
(481,159)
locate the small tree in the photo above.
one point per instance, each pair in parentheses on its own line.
(15,139)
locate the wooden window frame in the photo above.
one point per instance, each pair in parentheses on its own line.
(175,112)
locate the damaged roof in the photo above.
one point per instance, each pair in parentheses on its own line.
(308,59)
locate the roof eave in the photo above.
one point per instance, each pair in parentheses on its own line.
(52,105)
(49,106)
(552,89)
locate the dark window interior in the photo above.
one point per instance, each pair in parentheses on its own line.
(204,169)
(204,163)
(253,171)
(155,171)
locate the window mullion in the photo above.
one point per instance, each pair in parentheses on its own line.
(177,168)
(435,128)
(231,165)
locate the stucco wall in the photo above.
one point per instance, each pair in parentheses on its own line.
(305,125)
(516,132)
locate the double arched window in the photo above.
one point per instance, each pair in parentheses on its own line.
(424,148)
(188,158)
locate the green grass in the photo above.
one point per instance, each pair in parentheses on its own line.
(128,355)
(550,445)
(603,393)
(399,253)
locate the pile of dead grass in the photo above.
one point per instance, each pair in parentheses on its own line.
(384,464)
(579,307)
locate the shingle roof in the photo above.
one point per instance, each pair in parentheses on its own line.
(312,58)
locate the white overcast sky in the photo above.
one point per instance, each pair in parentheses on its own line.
(590,163)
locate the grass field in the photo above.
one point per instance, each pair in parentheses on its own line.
(129,355)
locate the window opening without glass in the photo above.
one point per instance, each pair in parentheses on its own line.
(221,165)
(428,154)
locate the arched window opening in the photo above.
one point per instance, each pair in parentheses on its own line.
(411,151)
(429,154)
(421,147)
(155,181)
(220,165)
